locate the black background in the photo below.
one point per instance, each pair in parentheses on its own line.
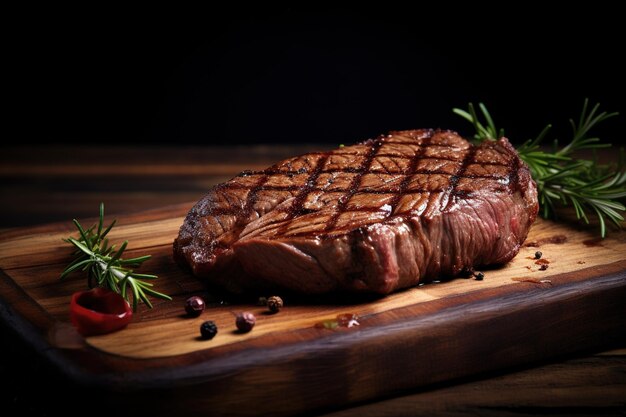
(289,76)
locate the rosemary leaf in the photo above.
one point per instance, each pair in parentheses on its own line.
(105,266)
(561,177)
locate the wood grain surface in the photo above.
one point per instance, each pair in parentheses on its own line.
(420,337)
(33,261)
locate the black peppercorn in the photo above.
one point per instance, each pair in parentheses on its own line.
(543,267)
(538,255)
(274,303)
(479,276)
(194,306)
(208,329)
(245,321)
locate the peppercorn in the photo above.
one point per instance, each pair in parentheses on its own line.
(479,276)
(538,255)
(274,303)
(245,321)
(194,306)
(208,329)
(543,267)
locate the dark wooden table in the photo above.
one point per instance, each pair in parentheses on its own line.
(48,184)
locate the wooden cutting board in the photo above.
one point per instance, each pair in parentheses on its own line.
(518,314)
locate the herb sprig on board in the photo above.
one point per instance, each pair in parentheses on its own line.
(106,268)
(563,178)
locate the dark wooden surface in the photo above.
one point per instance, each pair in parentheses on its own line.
(50,184)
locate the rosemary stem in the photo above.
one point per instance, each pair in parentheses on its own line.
(106,267)
(116,272)
(561,176)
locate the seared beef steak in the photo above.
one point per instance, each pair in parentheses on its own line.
(377,216)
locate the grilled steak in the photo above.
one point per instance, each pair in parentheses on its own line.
(376,217)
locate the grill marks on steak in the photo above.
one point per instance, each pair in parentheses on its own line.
(376,216)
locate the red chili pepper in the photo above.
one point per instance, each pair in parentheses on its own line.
(99,311)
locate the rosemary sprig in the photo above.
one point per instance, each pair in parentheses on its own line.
(563,178)
(105,266)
